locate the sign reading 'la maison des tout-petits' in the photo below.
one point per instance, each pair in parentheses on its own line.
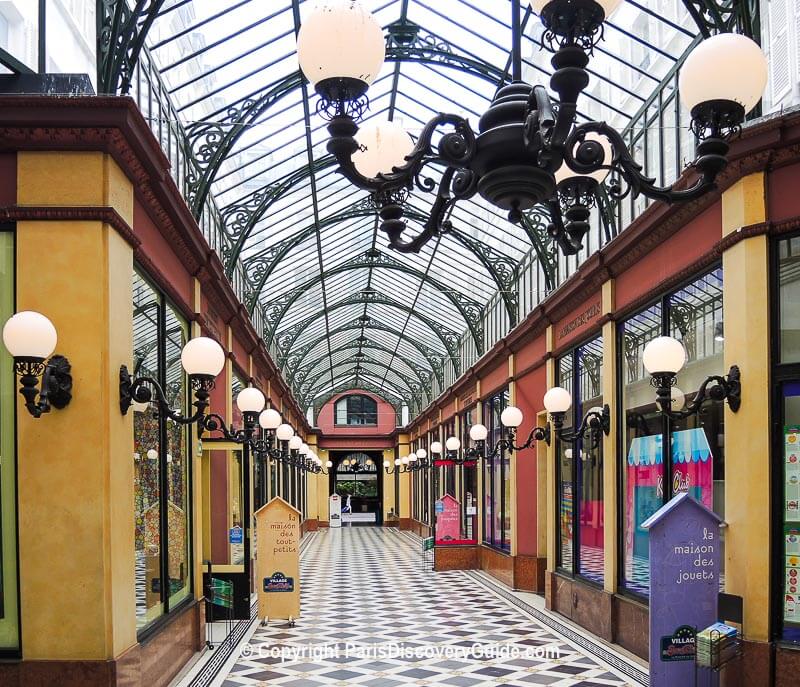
(684,588)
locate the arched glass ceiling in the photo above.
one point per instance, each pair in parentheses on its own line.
(341,309)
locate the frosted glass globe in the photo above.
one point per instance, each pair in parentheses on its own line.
(421,453)
(303,449)
(250,400)
(152,454)
(329,464)
(404,460)
(202,356)
(664,354)
(269,419)
(478,432)
(340,39)
(386,463)
(29,334)
(412,458)
(609,6)
(452,444)
(295,443)
(557,400)
(383,146)
(511,417)
(727,66)
(284,432)
(436,447)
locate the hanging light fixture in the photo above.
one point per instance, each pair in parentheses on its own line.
(515,160)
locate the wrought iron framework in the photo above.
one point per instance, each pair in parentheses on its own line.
(304,244)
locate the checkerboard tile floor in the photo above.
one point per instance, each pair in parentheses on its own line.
(373,615)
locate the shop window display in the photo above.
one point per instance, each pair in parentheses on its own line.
(496,479)
(580,468)
(161,460)
(695,444)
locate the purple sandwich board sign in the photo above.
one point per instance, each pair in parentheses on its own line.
(684,588)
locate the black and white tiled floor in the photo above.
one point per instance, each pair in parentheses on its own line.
(372,615)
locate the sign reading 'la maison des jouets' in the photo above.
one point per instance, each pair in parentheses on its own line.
(684,587)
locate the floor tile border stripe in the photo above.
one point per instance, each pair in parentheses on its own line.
(598,650)
(224,651)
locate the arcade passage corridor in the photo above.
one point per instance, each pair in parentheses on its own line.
(367,592)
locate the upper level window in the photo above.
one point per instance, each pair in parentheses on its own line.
(356,410)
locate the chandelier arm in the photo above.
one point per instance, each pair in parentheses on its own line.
(584,158)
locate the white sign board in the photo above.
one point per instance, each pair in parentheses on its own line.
(335,511)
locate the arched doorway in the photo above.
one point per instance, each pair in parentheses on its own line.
(358,475)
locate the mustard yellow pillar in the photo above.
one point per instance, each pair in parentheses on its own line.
(312,485)
(388,483)
(323,488)
(610,468)
(747,432)
(76,477)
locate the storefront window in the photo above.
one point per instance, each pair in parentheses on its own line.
(789,288)
(696,444)
(9,628)
(497,479)
(161,460)
(787,446)
(580,473)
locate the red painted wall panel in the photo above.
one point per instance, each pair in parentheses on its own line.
(160,253)
(387,418)
(529,392)
(677,253)
(494,378)
(783,200)
(8,179)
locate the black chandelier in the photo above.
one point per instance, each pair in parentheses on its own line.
(529,149)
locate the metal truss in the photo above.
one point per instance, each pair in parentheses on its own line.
(285,339)
(724,16)
(121,33)
(471,310)
(295,358)
(212,142)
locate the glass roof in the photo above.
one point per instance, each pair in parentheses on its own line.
(341,309)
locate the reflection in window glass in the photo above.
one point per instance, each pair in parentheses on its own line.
(790,512)
(789,287)
(497,479)
(696,444)
(161,459)
(147,456)
(565,476)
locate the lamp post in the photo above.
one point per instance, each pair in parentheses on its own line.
(663,358)
(529,149)
(31,338)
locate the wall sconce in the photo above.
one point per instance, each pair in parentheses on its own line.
(31,339)
(201,358)
(557,402)
(663,358)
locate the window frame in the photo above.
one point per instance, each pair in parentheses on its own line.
(169,611)
(666,424)
(347,399)
(488,538)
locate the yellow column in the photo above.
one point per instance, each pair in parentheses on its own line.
(610,444)
(551,462)
(388,482)
(323,482)
(76,477)
(512,399)
(747,432)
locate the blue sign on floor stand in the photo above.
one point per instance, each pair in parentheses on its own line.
(236,535)
(684,588)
